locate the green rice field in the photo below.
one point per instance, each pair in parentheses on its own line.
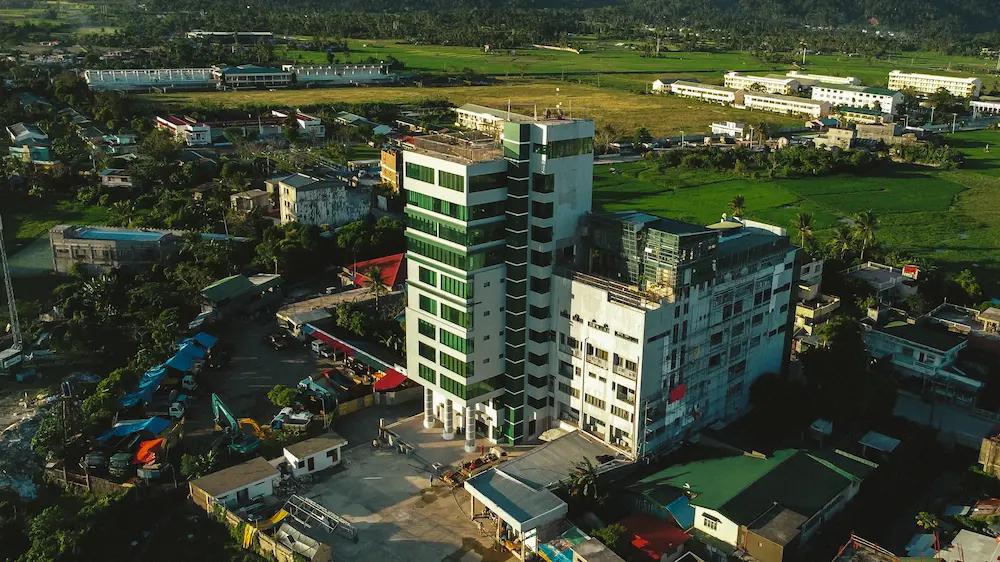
(948,216)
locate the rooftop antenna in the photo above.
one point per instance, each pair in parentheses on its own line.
(15,324)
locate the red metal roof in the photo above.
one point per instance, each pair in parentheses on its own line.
(392,267)
(391,380)
(655,537)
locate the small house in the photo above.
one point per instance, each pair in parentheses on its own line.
(236,486)
(315,454)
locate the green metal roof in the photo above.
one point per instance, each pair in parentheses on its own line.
(860,110)
(712,482)
(227,288)
(251,69)
(878,90)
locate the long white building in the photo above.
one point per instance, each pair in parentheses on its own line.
(788,105)
(147,78)
(770,84)
(807,78)
(985,106)
(883,99)
(707,92)
(525,312)
(969,87)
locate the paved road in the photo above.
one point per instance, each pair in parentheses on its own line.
(954,423)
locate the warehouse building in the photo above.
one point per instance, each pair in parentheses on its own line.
(312,76)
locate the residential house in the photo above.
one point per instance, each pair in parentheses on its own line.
(236,486)
(308,126)
(116,177)
(29,143)
(732,129)
(250,200)
(239,293)
(662,85)
(311,200)
(186,129)
(921,349)
(763,505)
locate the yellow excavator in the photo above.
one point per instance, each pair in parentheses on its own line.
(258,431)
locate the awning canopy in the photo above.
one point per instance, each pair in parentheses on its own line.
(522,507)
(334,344)
(390,381)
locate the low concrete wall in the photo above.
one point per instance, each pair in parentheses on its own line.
(356,404)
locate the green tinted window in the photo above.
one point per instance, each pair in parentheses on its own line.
(456,342)
(455,365)
(455,316)
(451,181)
(454,387)
(426,373)
(428,304)
(487,181)
(455,287)
(418,172)
(426,328)
(564,148)
(426,351)
(428,276)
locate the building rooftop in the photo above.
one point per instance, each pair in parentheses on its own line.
(122,235)
(498,113)
(708,86)
(250,69)
(235,477)
(515,498)
(860,110)
(968,546)
(236,285)
(464,148)
(746,487)
(782,97)
(309,447)
(662,224)
(392,268)
(553,462)
(922,333)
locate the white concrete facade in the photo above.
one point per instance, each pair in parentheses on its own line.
(823,78)
(969,87)
(985,107)
(708,92)
(886,101)
(788,105)
(770,84)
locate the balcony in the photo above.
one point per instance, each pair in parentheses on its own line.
(598,362)
(569,350)
(625,372)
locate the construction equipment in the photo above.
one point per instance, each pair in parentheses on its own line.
(239,442)
(259,431)
(13,355)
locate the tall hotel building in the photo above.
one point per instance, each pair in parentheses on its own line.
(526,312)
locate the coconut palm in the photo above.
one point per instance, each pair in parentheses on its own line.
(738,205)
(373,281)
(804,224)
(865,226)
(583,481)
(842,240)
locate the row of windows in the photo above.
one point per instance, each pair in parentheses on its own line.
(451,181)
(466,236)
(468,392)
(426,373)
(456,342)
(454,210)
(418,172)
(456,365)
(428,304)
(594,401)
(448,284)
(426,328)
(564,148)
(453,315)
(621,413)
(454,258)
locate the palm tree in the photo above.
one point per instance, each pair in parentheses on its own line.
(804,223)
(373,280)
(738,205)
(842,240)
(930,522)
(583,481)
(865,225)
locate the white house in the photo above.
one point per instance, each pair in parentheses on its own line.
(732,129)
(186,130)
(315,454)
(236,486)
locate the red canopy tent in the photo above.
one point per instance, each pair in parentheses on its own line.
(390,381)
(652,536)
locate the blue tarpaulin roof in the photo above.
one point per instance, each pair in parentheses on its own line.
(148,384)
(205,339)
(181,362)
(154,426)
(192,350)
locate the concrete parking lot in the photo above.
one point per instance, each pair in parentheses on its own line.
(399,513)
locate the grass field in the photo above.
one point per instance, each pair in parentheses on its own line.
(660,114)
(950,217)
(28,222)
(628,69)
